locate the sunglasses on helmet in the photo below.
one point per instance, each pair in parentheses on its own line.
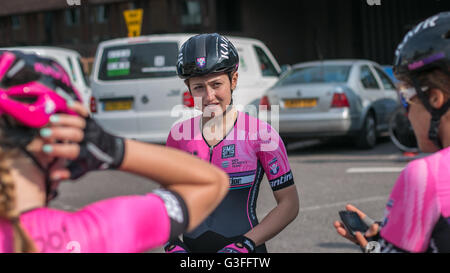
(407,94)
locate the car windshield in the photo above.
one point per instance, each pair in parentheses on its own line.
(316,74)
(150,60)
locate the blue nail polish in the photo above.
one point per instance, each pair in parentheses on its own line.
(70,103)
(47,149)
(45,132)
(54,118)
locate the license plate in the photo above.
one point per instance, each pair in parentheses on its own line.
(300,103)
(119,105)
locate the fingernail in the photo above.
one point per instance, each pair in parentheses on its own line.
(47,148)
(54,118)
(70,103)
(45,132)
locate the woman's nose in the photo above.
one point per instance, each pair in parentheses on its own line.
(210,94)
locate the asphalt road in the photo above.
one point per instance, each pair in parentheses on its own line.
(327,176)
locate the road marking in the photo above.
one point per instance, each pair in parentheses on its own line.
(342,204)
(302,144)
(375,170)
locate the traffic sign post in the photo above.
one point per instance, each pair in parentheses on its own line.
(133,19)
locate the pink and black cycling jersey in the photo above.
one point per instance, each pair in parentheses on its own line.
(417,216)
(125,224)
(251,149)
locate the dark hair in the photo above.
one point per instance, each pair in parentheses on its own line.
(433,78)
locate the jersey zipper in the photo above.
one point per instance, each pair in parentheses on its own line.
(211,148)
(210,153)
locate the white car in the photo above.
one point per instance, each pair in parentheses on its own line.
(137,93)
(70,61)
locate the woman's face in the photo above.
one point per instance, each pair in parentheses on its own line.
(420,121)
(212,93)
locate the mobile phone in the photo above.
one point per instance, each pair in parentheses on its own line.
(352,222)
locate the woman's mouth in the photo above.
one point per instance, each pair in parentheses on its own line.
(212,104)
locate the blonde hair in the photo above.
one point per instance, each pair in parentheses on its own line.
(22,241)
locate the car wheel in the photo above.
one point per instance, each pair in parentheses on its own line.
(367,138)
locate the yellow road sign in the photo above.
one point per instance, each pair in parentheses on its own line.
(133,19)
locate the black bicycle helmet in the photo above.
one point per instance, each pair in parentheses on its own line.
(205,54)
(425,47)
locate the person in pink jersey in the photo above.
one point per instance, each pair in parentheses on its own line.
(245,147)
(417,215)
(46,136)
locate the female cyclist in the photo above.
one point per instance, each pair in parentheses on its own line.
(35,93)
(244,147)
(417,215)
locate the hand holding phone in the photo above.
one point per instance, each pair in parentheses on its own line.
(352,222)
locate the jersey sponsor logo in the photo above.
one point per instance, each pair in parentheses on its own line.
(243,179)
(228,151)
(239,181)
(274,169)
(225,164)
(273,165)
(52,241)
(281,180)
(201,62)
(236,163)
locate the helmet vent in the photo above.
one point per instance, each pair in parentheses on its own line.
(24,99)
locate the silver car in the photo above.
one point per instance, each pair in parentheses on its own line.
(333,98)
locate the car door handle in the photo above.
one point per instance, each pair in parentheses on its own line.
(145,99)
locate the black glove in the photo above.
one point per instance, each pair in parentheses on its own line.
(99,150)
(176,246)
(241,245)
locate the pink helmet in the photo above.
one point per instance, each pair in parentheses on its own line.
(33,88)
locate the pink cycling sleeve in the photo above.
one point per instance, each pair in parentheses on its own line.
(121,224)
(272,155)
(413,209)
(170,142)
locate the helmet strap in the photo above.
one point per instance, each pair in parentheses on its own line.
(231,94)
(46,170)
(436,114)
(230,76)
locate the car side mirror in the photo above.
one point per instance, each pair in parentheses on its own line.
(285,67)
